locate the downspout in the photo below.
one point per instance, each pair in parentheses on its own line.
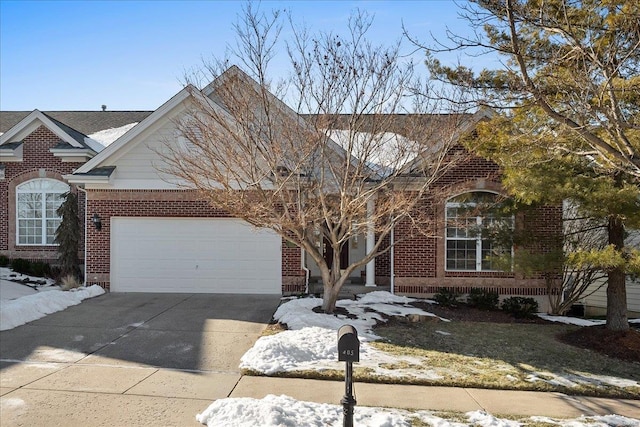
(86,198)
(303,266)
(391,263)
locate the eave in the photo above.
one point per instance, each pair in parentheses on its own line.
(95,176)
(11,152)
(78,155)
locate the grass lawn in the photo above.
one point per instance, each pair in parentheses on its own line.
(516,356)
(484,354)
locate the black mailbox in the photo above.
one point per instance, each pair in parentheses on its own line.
(348,344)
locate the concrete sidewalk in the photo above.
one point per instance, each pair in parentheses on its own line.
(496,402)
(100,394)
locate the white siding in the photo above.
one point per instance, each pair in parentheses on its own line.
(137,164)
(597,303)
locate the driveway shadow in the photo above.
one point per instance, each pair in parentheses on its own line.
(199,332)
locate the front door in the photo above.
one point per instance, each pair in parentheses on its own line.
(328,254)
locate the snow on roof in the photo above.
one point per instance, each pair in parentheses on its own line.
(384,151)
(107,136)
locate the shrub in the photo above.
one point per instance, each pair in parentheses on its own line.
(22,266)
(483,299)
(35,268)
(4,261)
(447,297)
(520,307)
(40,269)
(70,281)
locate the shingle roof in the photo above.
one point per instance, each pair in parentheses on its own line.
(86,122)
(411,126)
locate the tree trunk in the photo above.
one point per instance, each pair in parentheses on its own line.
(330,297)
(616,286)
(332,282)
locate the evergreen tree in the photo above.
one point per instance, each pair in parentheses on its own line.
(547,169)
(570,94)
(68,236)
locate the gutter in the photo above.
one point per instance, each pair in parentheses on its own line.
(86,198)
(391,263)
(307,272)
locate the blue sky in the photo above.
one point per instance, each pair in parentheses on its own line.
(132,55)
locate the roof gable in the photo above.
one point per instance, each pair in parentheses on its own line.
(466,124)
(73,146)
(36,119)
(120,145)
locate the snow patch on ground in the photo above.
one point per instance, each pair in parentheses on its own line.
(571,320)
(16,312)
(364,313)
(7,274)
(310,343)
(284,411)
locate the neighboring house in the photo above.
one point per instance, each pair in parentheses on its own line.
(596,303)
(36,150)
(144,232)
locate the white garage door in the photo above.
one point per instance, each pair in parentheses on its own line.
(193,255)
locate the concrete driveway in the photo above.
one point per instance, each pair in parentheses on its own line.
(128,359)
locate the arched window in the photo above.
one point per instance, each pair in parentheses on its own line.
(471,225)
(36,204)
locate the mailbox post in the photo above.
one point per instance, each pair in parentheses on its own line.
(348,351)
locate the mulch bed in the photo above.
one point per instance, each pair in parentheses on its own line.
(465,313)
(621,345)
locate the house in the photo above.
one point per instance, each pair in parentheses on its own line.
(36,150)
(145,232)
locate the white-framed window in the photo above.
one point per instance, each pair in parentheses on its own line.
(470,227)
(36,204)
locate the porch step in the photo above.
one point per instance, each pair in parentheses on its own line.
(348,291)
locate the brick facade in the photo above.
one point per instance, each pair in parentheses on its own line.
(419,260)
(159,203)
(37,162)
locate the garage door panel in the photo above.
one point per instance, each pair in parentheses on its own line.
(193,255)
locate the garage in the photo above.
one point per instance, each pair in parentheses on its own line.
(194,255)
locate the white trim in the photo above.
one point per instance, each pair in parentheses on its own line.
(84,227)
(115,147)
(478,239)
(43,209)
(73,155)
(11,154)
(88,179)
(392,266)
(370,269)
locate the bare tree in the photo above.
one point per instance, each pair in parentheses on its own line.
(583,273)
(326,168)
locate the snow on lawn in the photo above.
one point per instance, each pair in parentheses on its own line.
(571,320)
(10,275)
(20,304)
(284,411)
(310,343)
(311,340)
